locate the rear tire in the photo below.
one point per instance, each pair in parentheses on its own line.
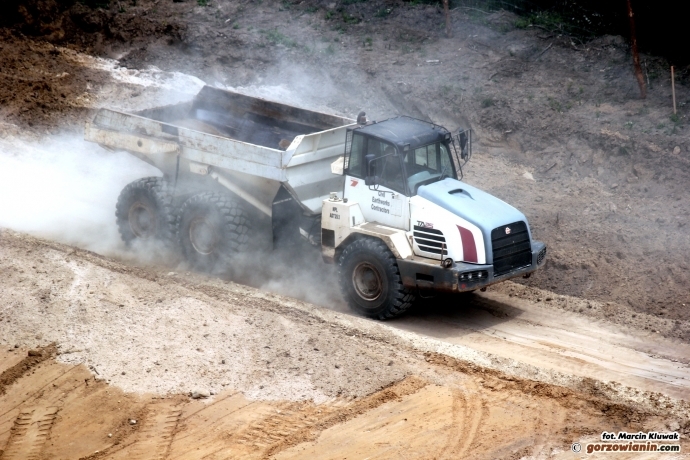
(370,280)
(212,230)
(144,211)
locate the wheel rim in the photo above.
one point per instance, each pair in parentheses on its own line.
(367,281)
(203,236)
(142,220)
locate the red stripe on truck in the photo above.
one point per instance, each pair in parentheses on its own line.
(469,248)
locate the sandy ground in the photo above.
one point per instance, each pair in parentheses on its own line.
(287,379)
(94,337)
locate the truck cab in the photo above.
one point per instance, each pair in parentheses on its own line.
(402,191)
(388,162)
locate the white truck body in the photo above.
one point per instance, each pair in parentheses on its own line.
(325,176)
(255,170)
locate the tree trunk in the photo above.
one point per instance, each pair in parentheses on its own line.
(446,11)
(636,55)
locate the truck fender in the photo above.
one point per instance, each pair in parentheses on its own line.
(343,222)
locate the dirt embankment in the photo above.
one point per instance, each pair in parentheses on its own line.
(43,89)
(608,168)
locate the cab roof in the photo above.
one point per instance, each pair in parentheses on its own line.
(405,130)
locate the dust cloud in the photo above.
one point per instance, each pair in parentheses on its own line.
(288,83)
(296,269)
(65,189)
(293,269)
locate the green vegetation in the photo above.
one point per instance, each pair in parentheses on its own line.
(450,91)
(487,102)
(557,106)
(97,3)
(546,19)
(675,119)
(569,18)
(277,38)
(349,19)
(202,2)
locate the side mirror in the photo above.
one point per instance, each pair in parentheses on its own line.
(371,180)
(462,139)
(371,177)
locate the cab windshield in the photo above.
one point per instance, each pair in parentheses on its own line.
(428,164)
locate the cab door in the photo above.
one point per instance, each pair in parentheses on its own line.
(385,203)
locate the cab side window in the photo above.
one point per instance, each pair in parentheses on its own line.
(426,157)
(388,168)
(355,166)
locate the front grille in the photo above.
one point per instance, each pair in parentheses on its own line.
(512,250)
(430,240)
(541,256)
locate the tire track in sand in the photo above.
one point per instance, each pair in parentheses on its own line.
(468,412)
(298,423)
(544,426)
(286,423)
(154,439)
(29,433)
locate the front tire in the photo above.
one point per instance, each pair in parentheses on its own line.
(370,280)
(144,211)
(212,230)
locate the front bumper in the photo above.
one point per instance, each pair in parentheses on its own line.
(461,277)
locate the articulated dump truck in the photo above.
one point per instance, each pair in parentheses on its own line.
(382,200)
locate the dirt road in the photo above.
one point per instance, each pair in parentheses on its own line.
(544,335)
(134,343)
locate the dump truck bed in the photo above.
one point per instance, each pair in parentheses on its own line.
(251,141)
